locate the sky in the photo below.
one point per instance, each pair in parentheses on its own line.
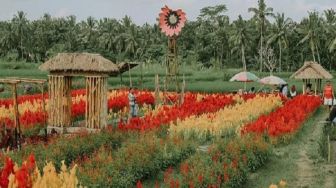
(146,11)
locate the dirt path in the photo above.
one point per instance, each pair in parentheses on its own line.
(305,170)
(308,168)
(299,162)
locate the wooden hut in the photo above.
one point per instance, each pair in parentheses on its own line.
(312,72)
(62,68)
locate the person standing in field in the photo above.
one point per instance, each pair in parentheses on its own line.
(292,91)
(132,103)
(328,95)
(285,90)
(252,90)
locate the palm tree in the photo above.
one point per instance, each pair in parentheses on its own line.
(261,13)
(6,37)
(20,23)
(310,29)
(240,38)
(330,34)
(108,30)
(281,30)
(131,41)
(89,28)
(71,34)
(331,27)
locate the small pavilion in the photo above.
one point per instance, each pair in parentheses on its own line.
(312,72)
(62,68)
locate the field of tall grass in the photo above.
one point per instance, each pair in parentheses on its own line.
(143,77)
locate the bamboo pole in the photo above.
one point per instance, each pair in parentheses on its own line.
(129,74)
(92,103)
(44,113)
(62,101)
(182,90)
(329,149)
(50,107)
(157,89)
(16,117)
(315,86)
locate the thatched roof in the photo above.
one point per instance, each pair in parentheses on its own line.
(124,67)
(312,70)
(80,63)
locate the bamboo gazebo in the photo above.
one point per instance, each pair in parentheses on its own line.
(62,68)
(312,71)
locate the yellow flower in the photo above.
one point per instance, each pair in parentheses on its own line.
(282,183)
(273,186)
(229,118)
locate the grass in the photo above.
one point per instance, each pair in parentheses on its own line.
(202,80)
(283,163)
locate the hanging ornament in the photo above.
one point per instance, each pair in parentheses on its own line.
(171,22)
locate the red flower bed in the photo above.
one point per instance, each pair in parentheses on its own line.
(31,98)
(29,119)
(191,106)
(287,119)
(22,175)
(121,101)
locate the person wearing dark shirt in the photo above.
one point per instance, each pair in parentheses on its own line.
(332,115)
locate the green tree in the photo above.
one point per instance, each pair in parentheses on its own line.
(309,29)
(281,30)
(261,13)
(20,23)
(240,38)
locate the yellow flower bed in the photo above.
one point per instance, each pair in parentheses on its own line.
(232,117)
(66,178)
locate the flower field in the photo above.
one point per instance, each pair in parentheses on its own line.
(286,120)
(32,115)
(232,117)
(211,140)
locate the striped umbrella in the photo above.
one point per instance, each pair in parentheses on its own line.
(272,80)
(244,77)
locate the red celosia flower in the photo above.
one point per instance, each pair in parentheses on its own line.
(200,178)
(139,184)
(287,119)
(184,169)
(226,177)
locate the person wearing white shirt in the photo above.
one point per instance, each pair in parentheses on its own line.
(292,91)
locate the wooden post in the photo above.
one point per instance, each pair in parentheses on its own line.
(315,86)
(182,90)
(141,75)
(157,89)
(59,111)
(129,74)
(165,91)
(304,87)
(96,102)
(16,117)
(329,149)
(44,113)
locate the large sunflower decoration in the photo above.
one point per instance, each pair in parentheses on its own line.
(171,21)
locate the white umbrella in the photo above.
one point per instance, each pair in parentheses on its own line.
(244,77)
(272,80)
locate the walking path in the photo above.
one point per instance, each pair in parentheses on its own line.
(298,163)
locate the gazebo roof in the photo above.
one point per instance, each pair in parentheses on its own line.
(125,66)
(312,70)
(80,63)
